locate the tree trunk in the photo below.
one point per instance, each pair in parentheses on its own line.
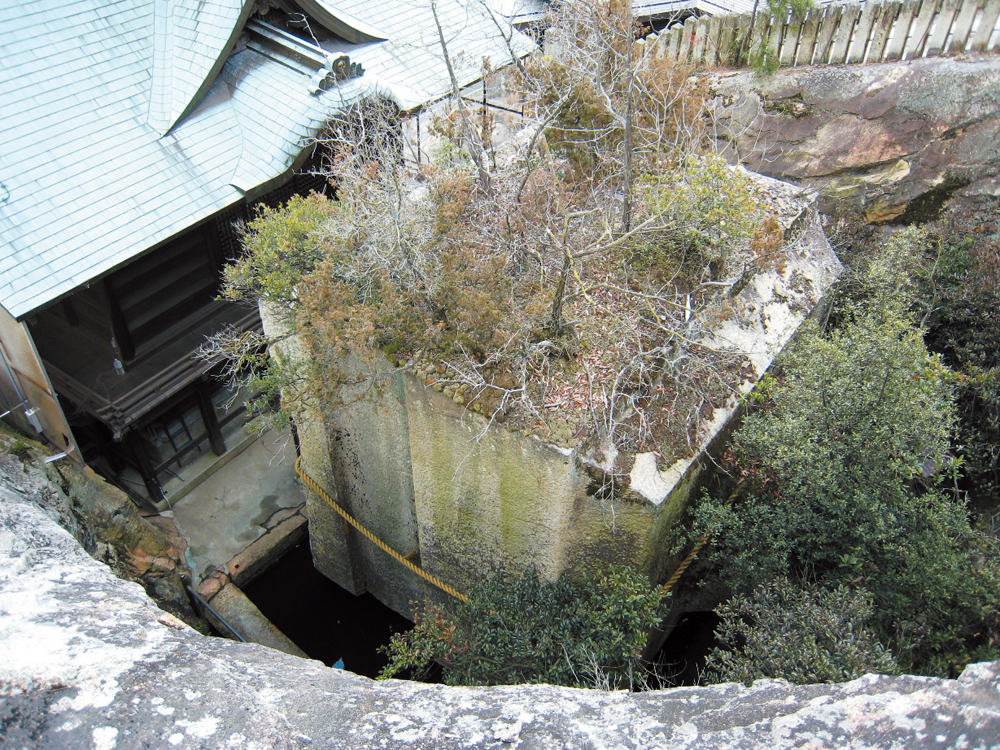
(476,150)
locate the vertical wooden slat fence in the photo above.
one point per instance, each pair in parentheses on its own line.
(836,34)
(987,23)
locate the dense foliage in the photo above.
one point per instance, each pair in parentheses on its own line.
(801,633)
(961,291)
(519,629)
(956,299)
(562,284)
(563,295)
(851,479)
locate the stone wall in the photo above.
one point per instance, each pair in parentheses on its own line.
(88,661)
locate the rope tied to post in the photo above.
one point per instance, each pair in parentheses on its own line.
(314,486)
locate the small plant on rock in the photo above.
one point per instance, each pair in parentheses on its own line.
(20,450)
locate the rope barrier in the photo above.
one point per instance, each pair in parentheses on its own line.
(311,483)
(702,541)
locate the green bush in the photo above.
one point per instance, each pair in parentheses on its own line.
(20,450)
(801,633)
(281,246)
(961,291)
(520,629)
(708,209)
(850,462)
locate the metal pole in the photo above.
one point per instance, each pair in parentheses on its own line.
(219,617)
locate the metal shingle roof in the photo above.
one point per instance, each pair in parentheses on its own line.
(86,184)
(88,180)
(410,64)
(190,42)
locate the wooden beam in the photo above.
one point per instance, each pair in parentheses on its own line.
(119,328)
(207,409)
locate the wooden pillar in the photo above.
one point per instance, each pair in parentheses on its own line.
(863,32)
(901,30)
(981,41)
(122,338)
(962,28)
(144,465)
(883,28)
(845,32)
(207,410)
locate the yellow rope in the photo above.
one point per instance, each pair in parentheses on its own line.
(702,541)
(311,483)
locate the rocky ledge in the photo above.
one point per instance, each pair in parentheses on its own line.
(888,142)
(88,661)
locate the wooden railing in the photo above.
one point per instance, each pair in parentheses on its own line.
(836,34)
(118,413)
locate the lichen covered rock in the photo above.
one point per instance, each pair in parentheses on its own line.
(892,141)
(103,520)
(87,661)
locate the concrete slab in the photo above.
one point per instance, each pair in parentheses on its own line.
(231,508)
(266,551)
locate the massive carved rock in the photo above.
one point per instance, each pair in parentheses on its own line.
(891,141)
(88,661)
(467,497)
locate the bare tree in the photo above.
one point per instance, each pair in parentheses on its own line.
(473,142)
(564,282)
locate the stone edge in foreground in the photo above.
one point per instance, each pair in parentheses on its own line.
(88,661)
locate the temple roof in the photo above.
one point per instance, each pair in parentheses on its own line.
(125,122)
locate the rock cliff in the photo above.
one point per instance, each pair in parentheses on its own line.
(103,520)
(88,661)
(892,141)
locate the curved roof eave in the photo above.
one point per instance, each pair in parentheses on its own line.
(191,42)
(342,24)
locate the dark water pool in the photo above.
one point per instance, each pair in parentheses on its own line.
(681,660)
(322,619)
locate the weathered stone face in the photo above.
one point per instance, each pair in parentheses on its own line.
(471,497)
(106,523)
(886,142)
(87,661)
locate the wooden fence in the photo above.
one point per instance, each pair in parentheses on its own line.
(836,34)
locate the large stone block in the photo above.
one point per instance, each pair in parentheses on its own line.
(467,496)
(886,142)
(87,660)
